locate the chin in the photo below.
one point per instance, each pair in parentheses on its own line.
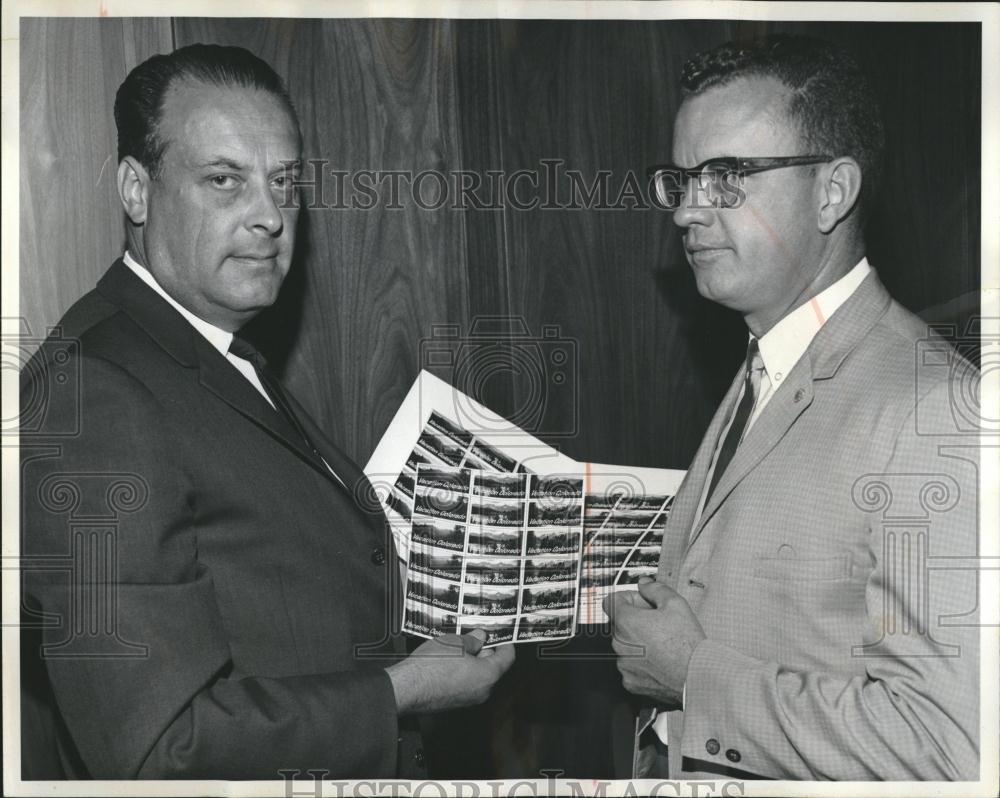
(251,303)
(263,300)
(720,293)
(709,285)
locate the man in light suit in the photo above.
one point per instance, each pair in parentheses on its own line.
(214,584)
(804,622)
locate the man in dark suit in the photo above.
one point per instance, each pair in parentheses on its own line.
(215,586)
(808,620)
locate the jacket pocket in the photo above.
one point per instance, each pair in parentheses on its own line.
(816,569)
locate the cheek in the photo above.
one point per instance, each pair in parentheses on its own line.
(186,219)
(213,234)
(290,220)
(173,230)
(765,233)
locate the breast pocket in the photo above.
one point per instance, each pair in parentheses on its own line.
(803,569)
(813,590)
(810,610)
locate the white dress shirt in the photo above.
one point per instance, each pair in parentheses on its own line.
(219,338)
(783,345)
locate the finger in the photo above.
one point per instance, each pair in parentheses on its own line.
(622,600)
(503,656)
(608,606)
(441,646)
(656,593)
(625,649)
(625,673)
(633,598)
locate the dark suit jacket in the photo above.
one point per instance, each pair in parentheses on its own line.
(212,603)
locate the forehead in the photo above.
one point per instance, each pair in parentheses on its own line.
(240,123)
(746,117)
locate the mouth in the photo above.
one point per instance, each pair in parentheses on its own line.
(703,252)
(256,257)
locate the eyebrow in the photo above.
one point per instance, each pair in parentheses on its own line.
(227,163)
(220,161)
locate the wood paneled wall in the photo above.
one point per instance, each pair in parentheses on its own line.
(367,286)
(71,224)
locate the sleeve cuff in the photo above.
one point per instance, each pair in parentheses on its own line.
(719,679)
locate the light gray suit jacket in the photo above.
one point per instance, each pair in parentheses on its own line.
(827,566)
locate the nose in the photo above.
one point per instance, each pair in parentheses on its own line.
(264,214)
(693,208)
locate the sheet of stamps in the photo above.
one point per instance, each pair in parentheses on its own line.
(494,551)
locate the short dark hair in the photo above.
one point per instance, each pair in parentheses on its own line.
(140,98)
(831,99)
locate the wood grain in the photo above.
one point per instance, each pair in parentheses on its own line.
(71,222)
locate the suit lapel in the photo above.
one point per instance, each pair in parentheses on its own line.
(787,404)
(151,312)
(356,483)
(685,507)
(834,342)
(216,374)
(219,376)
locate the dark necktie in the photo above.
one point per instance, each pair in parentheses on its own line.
(241,347)
(751,387)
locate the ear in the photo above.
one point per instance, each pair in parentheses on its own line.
(133,189)
(840,189)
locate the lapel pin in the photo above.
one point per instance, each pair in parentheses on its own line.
(799,394)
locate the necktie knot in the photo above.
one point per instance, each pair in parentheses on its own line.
(241,347)
(755,367)
(754,361)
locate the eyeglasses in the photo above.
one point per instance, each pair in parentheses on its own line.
(719,179)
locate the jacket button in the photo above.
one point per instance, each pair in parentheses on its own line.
(712,746)
(378,557)
(733,755)
(418,757)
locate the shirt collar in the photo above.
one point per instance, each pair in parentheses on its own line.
(786,342)
(218,338)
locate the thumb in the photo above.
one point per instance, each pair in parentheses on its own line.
(656,593)
(620,600)
(451,640)
(473,641)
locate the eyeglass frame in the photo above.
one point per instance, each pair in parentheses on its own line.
(741,167)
